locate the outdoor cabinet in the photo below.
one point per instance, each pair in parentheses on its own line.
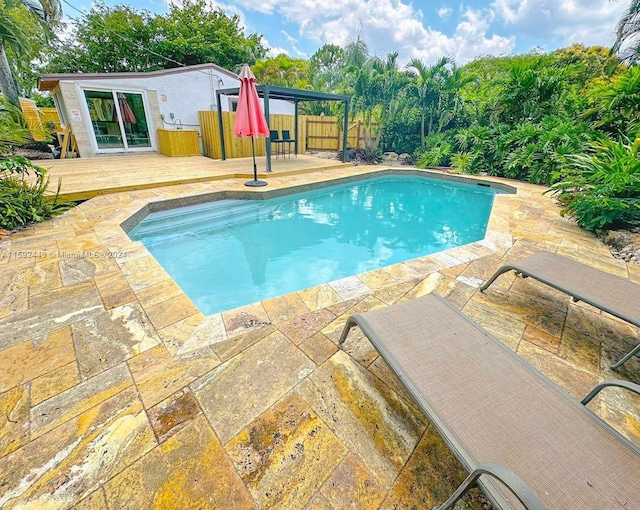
(179,142)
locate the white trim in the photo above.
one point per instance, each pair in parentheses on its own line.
(89,126)
(58,102)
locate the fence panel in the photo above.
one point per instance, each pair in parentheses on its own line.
(325,133)
(30,111)
(315,132)
(322,133)
(241,147)
(50,114)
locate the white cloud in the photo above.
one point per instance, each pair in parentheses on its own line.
(290,39)
(275,51)
(387,25)
(299,52)
(398,25)
(567,21)
(444,12)
(469,40)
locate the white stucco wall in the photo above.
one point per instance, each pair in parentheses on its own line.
(183,94)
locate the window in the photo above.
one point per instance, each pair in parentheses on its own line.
(118,119)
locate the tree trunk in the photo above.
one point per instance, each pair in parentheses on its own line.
(367,137)
(422,131)
(7,83)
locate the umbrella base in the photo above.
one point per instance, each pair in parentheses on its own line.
(255,183)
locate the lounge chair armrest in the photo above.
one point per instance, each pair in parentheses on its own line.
(351,322)
(503,269)
(509,479)
(635,388)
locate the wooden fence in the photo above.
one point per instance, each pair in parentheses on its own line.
(241,147)
(325,133)
(50,114)
(30,111)
(315,132)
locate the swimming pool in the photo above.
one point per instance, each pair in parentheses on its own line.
(229,253)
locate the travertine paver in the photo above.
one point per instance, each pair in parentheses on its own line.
(286,454)
(380,428)
(116,392)
(249,383)
(190,470)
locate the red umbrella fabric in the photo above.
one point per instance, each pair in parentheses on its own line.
(250,120)
(127,113)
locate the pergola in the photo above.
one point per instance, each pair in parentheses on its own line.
(268,92)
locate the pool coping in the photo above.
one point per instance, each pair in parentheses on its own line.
(169,204)
(266,194)
(112,231)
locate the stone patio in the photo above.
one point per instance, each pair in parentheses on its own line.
(116,392)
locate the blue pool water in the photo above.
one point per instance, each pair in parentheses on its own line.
(231,253)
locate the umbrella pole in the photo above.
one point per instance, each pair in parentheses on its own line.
(255,168)
(255,182)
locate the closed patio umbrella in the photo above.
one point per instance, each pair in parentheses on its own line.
(128,116)
(250,120)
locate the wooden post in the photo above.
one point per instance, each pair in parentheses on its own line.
(65,141)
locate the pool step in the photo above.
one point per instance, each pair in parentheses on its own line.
(199,218)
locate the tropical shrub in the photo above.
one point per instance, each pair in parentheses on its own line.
(529,151)
(23,201)
(616,104)
(463,162)
(602,187)
(13,127)
(401,131)
(437,151)
(367,155)
(538,152)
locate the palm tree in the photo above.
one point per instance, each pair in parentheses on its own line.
(450,102)
(356,53)
(429,83)
(366,95)
(390,81)
(13,36)
(628,30)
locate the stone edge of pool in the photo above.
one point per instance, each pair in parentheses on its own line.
(497,237)
(266,194)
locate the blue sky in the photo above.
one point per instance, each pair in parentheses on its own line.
(424,29)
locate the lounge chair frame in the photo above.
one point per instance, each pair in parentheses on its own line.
(541,266)
(479,473)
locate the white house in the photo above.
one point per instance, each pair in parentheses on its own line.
(121,112)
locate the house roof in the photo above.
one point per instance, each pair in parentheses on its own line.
(50,81)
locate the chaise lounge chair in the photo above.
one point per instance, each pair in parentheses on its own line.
(519,435)
(610,293)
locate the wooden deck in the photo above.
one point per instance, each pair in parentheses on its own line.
(85,178)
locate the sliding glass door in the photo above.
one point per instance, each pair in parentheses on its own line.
(118,119)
